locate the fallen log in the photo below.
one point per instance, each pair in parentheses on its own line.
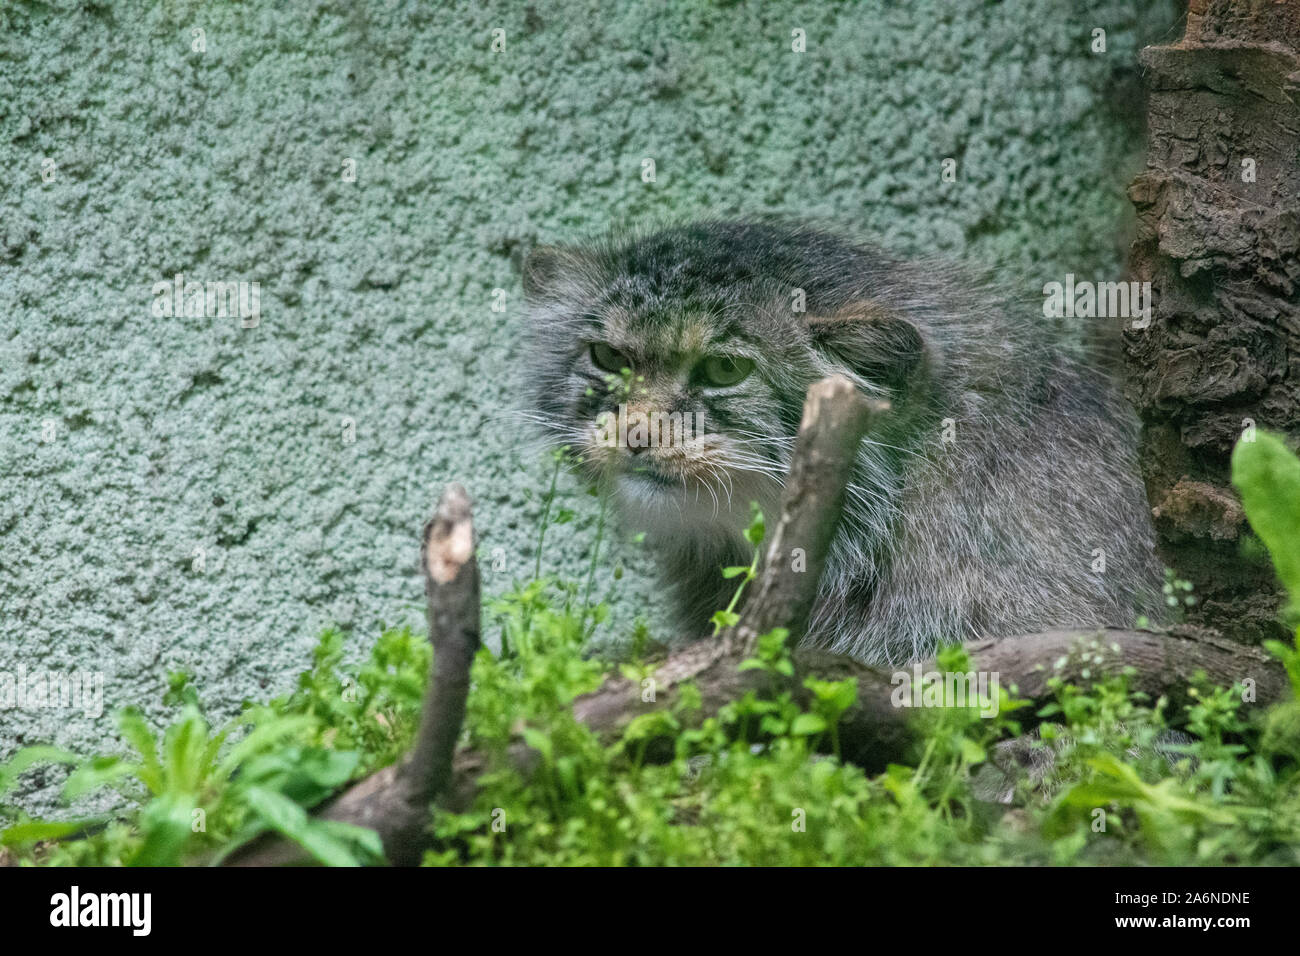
(876,731)
(873,732)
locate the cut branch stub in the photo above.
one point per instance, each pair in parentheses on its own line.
(451,585)
(394,802)
(835,417)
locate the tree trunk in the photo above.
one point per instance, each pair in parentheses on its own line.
(1219,240)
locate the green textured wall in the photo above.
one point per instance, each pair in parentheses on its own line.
(171,434)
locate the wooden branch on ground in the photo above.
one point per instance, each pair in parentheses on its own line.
(875,731)
(394,802)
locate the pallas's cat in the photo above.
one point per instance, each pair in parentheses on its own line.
(998,496)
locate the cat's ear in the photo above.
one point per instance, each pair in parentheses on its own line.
(545,267)
(872,340)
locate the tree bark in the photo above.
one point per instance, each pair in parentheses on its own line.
(835,418)
(395,802)
(1219,240)
(878,730)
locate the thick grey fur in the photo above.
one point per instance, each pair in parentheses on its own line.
(992,531)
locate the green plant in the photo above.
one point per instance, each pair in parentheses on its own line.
(754,533)
(1267,474)
(203,793)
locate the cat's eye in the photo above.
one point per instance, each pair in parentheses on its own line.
(720,371)
(608,359)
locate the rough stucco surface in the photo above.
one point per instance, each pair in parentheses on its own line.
(172,434)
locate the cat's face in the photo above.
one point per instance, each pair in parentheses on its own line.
(675,372)
(672,411)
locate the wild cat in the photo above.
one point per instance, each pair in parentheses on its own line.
(998,496)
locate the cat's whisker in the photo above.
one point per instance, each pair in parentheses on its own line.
(759,466)
(906,451)
(720,474)
(718,471)
(713,494)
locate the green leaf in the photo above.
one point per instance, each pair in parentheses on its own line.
(260,739)
(30,757)
(774,725)
(180,691)
(319,838)
(757,529)
(972,752)
(367,840)
(137,733)
(305,775)
(166,823)
(184,744)
(806,724)
(96,773)
(539,742)
(1289,657)
(33,831)
(725,618)
(1267,474)
(657,723)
